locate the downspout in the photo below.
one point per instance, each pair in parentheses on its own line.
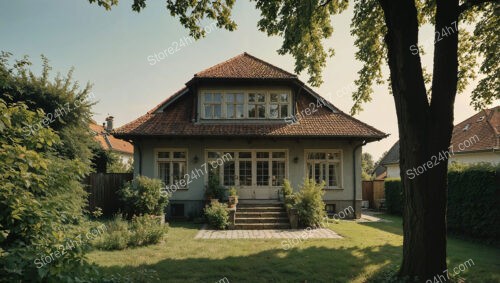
(354,175)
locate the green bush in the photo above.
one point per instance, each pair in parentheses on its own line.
(214,189)
(146,230)
(393,196)
(473,200)
(141,231)
(288,195)
(217,215)
(310,205)
(143,195)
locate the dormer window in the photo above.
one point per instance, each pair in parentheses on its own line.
(239,104)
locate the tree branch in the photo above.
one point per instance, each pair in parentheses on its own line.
(471,3)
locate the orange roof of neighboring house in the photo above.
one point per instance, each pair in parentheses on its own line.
(109,142)
(478,133)
(175,116)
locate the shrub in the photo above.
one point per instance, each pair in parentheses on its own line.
(310,205)
(217,215)
(473,202)
(233,192)
(143,195)
(146,230)
(288,195)
(394,196)
(214,189)
(142,230)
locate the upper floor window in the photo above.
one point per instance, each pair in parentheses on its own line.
(241,104)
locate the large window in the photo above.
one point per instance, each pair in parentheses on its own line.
(171,165)
(241,104)
(325,165)
(261,168)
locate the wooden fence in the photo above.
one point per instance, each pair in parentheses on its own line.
(374,192)
(102,189)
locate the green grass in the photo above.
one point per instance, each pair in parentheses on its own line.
(366,250)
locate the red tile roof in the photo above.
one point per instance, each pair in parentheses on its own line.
(174,116)
(480,132)
(109,142)
(245,66)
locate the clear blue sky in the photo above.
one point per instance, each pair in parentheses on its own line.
(110,48)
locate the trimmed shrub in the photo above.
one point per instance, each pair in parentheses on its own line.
(117,235)
(143,195)
(310,205)
(473,200)
(394,196)
(217,215)
(288,195)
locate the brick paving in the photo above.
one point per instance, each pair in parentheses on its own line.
(320,233)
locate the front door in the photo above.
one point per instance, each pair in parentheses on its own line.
(256,173)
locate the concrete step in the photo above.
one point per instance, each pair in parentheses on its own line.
(261,226)
(262,220)
(247,205)
(240,214)
(260,209)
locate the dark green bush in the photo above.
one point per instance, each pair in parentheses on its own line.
(288,195)
(217,215)
(394,196)
(473,200)
(143,195)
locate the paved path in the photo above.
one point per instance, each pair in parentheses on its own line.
(370,216)
(321,233)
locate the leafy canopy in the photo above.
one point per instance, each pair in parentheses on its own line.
(304,24)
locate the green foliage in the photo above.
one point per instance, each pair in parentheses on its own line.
(141,231)
(217,215)
(233,192)
(66,107)
(367,166)
(288,195)
(473,207)
(214,189)
(394,195)
(143,195)
(115,164)
(41,200)
(310,205)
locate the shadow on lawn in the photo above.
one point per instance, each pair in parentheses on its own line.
(312,264)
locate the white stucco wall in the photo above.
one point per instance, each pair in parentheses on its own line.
(392,170)
(477,157)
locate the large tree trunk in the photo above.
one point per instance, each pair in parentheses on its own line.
(425,129)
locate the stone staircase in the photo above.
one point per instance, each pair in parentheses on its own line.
(254,216)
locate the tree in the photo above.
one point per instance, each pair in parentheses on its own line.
(367,166)
(387,31)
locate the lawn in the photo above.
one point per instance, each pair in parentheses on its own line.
(367,248)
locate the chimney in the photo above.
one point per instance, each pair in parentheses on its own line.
(109,123)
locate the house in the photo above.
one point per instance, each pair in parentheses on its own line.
(474,140)
(123,149)
(255,125)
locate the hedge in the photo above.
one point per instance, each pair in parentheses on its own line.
(473,201)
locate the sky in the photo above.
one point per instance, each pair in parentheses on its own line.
(110,50)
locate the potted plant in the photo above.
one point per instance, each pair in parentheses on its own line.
(233,197)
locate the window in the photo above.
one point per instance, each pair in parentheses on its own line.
(234,105)
(253,168)
(256,105)
(278,105)
(212,104)
(330,209)
(240,104)
(325,166)
(171,165)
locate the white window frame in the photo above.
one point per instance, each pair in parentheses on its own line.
(245,92)
(254,159)
(171,159)
(326,151)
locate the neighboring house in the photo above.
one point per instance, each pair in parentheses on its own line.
(272,125)
(123,149)
(474,140)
